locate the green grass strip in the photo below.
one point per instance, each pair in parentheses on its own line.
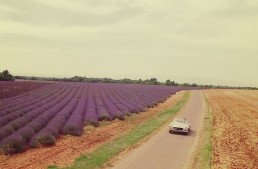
(204,159)
(101,155)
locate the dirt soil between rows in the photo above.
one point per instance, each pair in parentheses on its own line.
(68,148)
(235,128)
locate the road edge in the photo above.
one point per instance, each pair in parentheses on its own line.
(196,155)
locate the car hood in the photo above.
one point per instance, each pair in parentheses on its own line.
(178,124)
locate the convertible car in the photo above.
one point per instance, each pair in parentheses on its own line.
(180,125)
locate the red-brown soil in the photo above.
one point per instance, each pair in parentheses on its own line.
(68,148)
(235,128)
(10,89)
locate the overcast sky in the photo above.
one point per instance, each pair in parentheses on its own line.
(196,41)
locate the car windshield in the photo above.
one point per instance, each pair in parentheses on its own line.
(181,120)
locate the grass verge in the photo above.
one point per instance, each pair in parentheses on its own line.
(104,153)
(204,155)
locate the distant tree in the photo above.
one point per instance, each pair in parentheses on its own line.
(168,83)
(194,85)
(33,78)
(6,76)
(154,81)
(126,81)
(173,83)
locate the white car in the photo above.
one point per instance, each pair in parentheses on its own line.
(180,125)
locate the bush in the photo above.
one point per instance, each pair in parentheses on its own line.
(72,129)
(94,123)
(104,117)
(34,143)
(120,116)
(26,132)
(103,113)
(46,138)
(51,129)
(13,144)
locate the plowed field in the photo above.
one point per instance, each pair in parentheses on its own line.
(235,128)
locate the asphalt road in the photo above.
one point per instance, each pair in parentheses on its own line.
(165,150)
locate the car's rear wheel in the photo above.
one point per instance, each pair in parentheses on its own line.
(188,131)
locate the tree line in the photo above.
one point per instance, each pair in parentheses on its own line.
(6,76)
(151,81)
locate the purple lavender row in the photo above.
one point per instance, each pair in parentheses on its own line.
(91,116)
(24,110)
(25,96)
(102,111)
(47,135)
(131,105)
(75,123)
(35,122)
(34,99)
(20,121)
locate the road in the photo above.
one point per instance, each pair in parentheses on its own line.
(165,150)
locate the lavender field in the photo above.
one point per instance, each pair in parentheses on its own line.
(38,117)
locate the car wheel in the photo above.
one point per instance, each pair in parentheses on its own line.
(188,132)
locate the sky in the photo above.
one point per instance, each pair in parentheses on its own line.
(200,41)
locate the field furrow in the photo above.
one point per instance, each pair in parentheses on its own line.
(235,128)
